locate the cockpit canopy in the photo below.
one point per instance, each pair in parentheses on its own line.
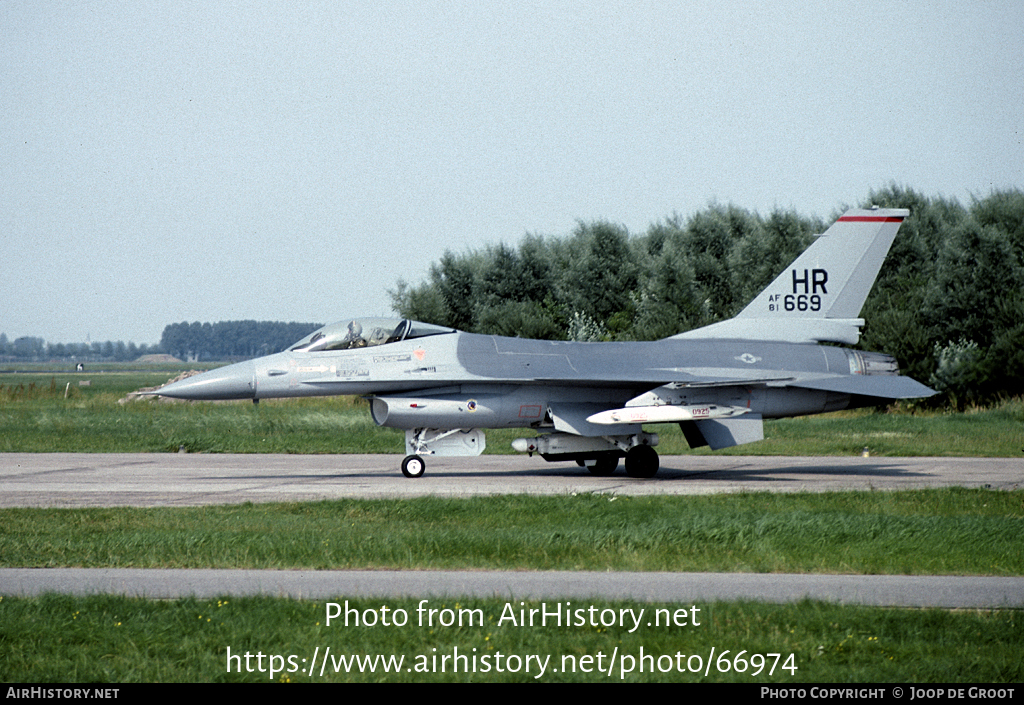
(366,333)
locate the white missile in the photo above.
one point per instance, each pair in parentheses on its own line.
(666,413)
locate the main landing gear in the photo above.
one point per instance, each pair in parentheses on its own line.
(601,466)
(642,462)
(599,455)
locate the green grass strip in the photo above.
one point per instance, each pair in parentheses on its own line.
(112,639)
(938,531)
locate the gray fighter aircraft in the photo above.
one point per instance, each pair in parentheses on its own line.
(588,402)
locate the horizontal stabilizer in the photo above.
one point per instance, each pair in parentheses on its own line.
(881,386)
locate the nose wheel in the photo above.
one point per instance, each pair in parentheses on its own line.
(413,466)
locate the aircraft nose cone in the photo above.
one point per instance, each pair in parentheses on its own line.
(236,381)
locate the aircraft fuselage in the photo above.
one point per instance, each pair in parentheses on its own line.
(513,381)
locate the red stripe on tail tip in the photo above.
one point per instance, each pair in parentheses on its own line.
(870,219)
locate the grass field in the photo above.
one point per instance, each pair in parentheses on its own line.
(106,639)
(945,531)
(113,639)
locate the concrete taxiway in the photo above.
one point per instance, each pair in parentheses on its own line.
(106,480)
(971,592)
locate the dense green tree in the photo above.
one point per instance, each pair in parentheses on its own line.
(600,274)
(28,348)
(1004,210)
(420,303)
(455,279)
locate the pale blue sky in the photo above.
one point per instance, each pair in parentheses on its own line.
(208,161)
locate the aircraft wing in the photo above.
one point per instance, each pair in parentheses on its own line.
(659,378)
(881,386)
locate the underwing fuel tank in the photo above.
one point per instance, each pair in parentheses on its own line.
(452,411)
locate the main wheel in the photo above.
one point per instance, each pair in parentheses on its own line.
(413,466)
(642,462)
(604,466)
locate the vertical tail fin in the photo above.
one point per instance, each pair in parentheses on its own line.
(819,296)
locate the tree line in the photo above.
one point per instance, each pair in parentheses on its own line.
(948,303)
(187,341)
(30,348)
(231,339)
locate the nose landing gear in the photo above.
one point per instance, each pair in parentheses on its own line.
(413,466)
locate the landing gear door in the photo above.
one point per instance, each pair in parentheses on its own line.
(455,443)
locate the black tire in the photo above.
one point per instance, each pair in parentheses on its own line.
(605,466)
(413,466)
(642,462)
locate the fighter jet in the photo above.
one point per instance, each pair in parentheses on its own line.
(589,402)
